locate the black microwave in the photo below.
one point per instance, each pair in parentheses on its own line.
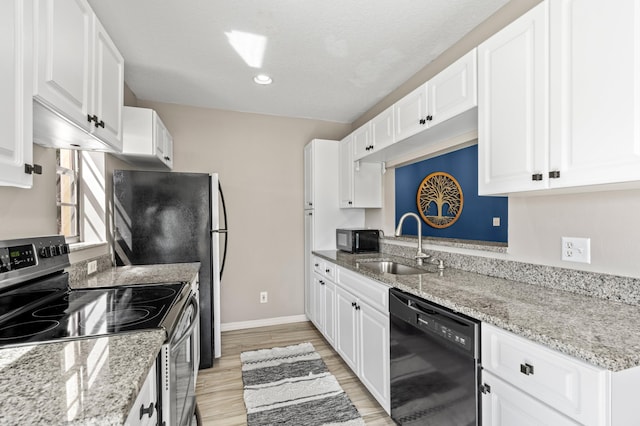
(358,240)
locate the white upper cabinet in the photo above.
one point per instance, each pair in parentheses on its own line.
(146,140)
(382,129)
(454,90)
(16,144)
(595,92)
(79,71)
(360,184)
(362,143)
(411,113)
(559,98)
(108,87)
(513,105)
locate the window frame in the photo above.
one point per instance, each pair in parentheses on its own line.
(76,172)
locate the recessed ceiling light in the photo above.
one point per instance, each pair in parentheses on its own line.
(262,79)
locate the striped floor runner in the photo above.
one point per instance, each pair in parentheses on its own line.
(292,386)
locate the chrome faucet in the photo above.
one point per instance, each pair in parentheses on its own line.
(420,256)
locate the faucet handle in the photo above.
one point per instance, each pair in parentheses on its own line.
(439,262)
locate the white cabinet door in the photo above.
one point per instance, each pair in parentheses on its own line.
(454,90)
(346,328)
(345,176)
(374,353)
(329,330)
(411,113)
(16,112)
(362,141)
(513,81)
(382,134)
(308,267)
(64,48)
(168,149)
(308,176)
(108,88)
(144,411)
(595,97)
(504,405)
(367,185)
(318,301)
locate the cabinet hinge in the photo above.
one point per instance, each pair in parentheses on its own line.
(485,388)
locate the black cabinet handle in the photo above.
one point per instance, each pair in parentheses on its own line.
(316,265)
(327,270)
(350,202)
(423,121)
(526,369)
(357,307)
(554,174)
(429,117)
(536,176)
(33,169)
(99,124)
(91,118)
(148,411)
(353,304)
(321,282)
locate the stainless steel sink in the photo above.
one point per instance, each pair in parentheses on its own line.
(389,267)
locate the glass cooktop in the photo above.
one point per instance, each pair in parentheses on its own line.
(92,312)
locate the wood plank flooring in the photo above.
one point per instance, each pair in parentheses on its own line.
(219,389)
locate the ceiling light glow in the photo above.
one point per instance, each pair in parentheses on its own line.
(262,79)
(249,46)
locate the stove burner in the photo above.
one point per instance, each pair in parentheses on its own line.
(153,295)
(126,316)
(51,311)
(27,329)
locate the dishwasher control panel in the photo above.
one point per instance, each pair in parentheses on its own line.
(447,333)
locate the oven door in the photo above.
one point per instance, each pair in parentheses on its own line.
(180,367)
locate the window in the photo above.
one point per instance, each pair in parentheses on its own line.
(68,185)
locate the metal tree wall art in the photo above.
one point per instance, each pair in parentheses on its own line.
(440,200)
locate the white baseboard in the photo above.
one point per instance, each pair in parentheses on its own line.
(240,325)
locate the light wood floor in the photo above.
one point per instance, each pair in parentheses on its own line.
(219,389)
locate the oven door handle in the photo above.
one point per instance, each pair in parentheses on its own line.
(189,331)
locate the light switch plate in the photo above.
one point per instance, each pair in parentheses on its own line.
(496,221)
(576,249)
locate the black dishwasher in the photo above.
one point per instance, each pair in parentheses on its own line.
(435,363)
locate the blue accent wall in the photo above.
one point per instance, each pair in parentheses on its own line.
(476,219)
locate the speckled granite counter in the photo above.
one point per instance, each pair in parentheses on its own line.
(80,382)
(87,381)
(139,274)
(600,332)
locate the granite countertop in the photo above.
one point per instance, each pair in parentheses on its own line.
(91,381)
(140,274)
(78,382)
(600,332)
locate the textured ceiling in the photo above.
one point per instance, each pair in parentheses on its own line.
(329,60)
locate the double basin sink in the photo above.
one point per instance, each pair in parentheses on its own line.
(390,267)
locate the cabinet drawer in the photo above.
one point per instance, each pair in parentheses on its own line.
(569,385)
(318,265)
(330,271)
(506,405)
(375,294)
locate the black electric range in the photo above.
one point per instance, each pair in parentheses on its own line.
(37,305)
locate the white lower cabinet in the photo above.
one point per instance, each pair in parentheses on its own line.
(504,405)
(362,337)
(144,411)
(322,299)
(560,384)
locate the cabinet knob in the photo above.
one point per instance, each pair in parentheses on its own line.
(316,265)
(148,410)
(526,369)
(350,202)
(536,176)
(554,174)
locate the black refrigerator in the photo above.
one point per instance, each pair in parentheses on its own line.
(166,217)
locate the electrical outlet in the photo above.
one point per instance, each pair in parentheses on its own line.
(92,267)
(263,297)
(576,249)
(496,221)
